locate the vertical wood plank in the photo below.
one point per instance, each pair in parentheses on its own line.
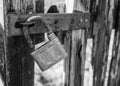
(114,75)
(74,58)
(68,61)
(80,44)
(2,57)
(2,42)
(20,6)
(19,63)
(67,46)
(77,59)
(103,23)
(39,6)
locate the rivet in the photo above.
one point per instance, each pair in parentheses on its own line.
(86,20)
(80,21)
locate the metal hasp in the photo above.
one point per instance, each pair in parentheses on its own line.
(58,22)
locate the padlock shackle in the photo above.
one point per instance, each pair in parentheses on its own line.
(30,21)
(43,20)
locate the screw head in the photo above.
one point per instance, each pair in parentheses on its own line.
(86,20)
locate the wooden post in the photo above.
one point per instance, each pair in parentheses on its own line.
(102,20)
(2,43)
(19,68)
(2,13)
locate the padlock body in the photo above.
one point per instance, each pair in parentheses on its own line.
(50,53)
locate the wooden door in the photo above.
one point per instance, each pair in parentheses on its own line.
(18,65)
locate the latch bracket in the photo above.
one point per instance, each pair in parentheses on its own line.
(58,22)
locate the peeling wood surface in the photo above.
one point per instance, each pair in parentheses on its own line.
(77,59)
(114,75)
(19,62)
(100,44)
(2,55)
(20,6)
(75,69)
(2,43)
(104,18)
(67,46)
(103,22)
(88,69)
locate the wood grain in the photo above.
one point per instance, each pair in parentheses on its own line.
(102,25)
(114,75)
(77,60)
(67,46)
(19,64)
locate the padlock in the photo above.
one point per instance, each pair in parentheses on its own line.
(49,53)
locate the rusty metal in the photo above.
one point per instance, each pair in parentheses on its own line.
(58,22)
(50,53)
(43,55)
(26,34)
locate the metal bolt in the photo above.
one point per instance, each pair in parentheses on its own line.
(80,21)
(86,20)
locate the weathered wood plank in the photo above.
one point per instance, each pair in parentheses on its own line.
(77,61)
(114,75)
(2,56)
(75,78)
(20,6)
(102,20)
(19,67)
(67,46)
(39,6)
(19,62)
(114,62)
(99,47)
(3,42)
